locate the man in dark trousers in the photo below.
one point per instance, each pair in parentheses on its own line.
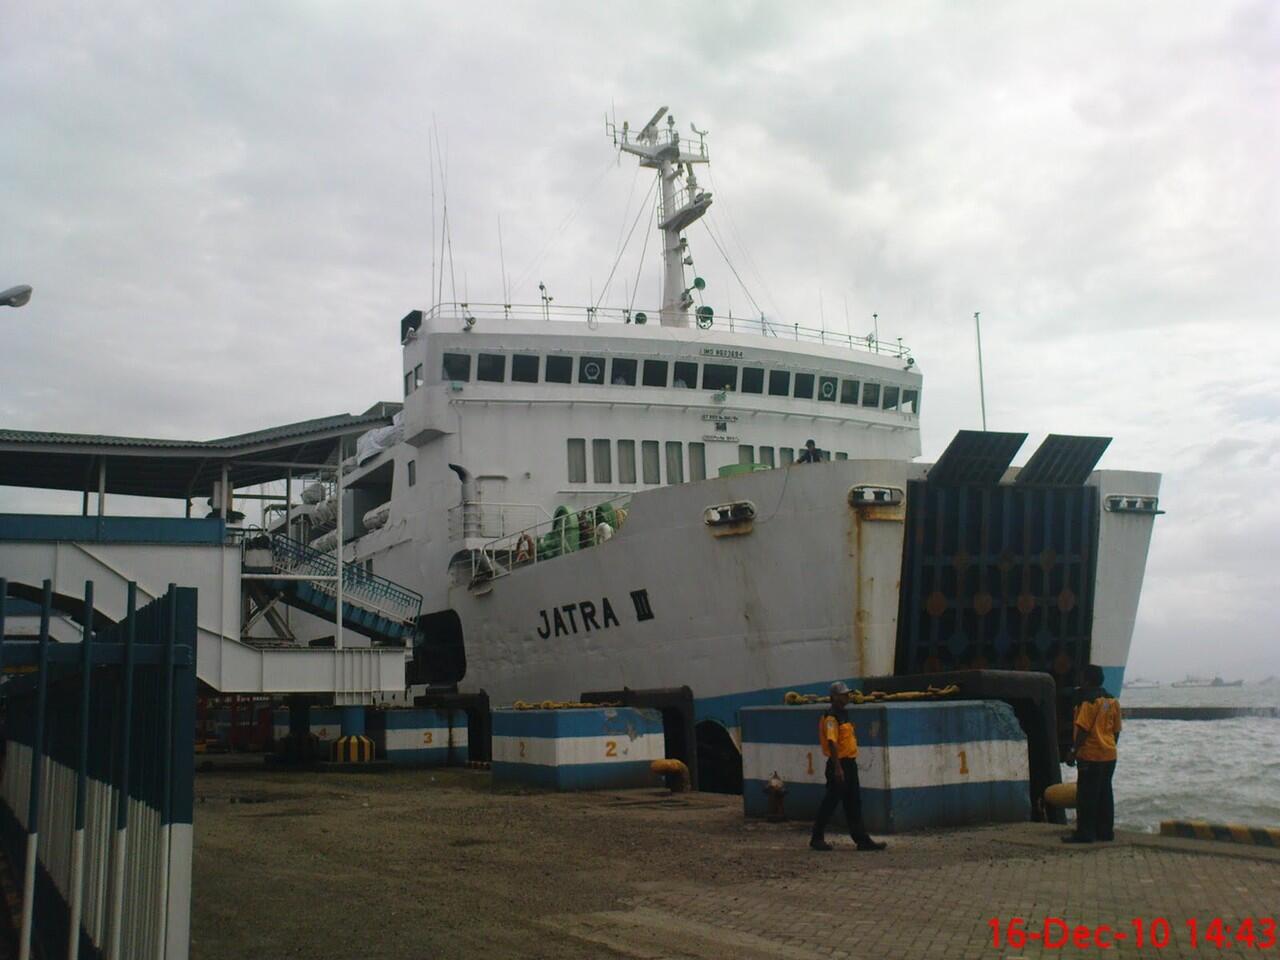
(1097,728)
(840,746)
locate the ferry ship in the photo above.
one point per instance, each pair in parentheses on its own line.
(592,499)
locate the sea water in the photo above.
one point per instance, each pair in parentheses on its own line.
(1224,771)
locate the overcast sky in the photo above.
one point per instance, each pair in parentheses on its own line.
(225,213)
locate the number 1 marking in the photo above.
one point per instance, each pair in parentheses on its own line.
(964,764)
(810,756)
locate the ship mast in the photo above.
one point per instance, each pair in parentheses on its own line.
(682,204)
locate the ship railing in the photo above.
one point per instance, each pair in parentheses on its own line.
(485,519)
(360,587)
(568,531)
(467,314)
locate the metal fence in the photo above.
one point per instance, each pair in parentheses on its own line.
(96,793)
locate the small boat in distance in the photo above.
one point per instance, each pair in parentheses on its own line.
(1191,681)
(1141,683)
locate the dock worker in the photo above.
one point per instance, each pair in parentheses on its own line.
(810,453)
(840,746)
(1097,728)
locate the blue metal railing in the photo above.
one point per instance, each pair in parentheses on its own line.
(359,586)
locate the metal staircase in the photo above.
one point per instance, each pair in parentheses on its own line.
(382,610)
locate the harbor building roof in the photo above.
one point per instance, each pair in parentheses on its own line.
(177,468)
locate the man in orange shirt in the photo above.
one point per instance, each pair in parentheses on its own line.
(840,745)
(1097,728)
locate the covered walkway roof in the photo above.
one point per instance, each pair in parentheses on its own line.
(180,469)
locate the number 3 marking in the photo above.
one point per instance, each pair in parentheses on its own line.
(426,736)
(964,763)
(611,748)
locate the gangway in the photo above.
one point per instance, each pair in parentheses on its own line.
(279,569)
(202,553)
(236,587)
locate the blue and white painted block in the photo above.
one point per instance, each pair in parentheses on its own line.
(416,737)
(459,747)
(583,749)
(920,765)
(326,723)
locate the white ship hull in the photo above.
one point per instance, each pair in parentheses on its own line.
(809,595)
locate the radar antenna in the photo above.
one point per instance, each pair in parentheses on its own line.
(682,204)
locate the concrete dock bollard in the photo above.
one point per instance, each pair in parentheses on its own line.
(920,765)
(579,749)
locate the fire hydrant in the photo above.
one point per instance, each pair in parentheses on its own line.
(776,790)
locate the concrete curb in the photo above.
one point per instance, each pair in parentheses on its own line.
(1224,832)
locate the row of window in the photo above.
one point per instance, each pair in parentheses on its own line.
(678,374)
(655,456)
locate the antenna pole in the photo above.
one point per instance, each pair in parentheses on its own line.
(982,387)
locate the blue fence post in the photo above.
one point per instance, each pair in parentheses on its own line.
(82,777)
(166,758)
(122,792)
(37,748)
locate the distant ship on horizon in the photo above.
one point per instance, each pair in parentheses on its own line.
(1191,681)
(1141,683)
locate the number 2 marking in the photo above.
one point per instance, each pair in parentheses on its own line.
(611,748)
(964,763)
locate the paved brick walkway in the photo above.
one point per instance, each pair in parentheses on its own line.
(932,896)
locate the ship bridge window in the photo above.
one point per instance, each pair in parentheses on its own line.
(408,383)
(413,472)
(719,376)
(871,394)
(524,368)
(623,373)
(746,453)
(577,460)
(849,391)
(827,389)
(910,401)
(804,386)
(786,455)
(559,369)
(686,374)
(675,461)
(417,376)
(697,461)
(766,456)
(491,367)
(779,383)
(842,456)
(601,461)
(752,380)
(591,370)
(890,398)
(649,461)
(626,461)
(655,373)
(457,366)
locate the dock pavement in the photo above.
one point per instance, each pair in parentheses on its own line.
(439,865)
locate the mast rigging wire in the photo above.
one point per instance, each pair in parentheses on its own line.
(625,244)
